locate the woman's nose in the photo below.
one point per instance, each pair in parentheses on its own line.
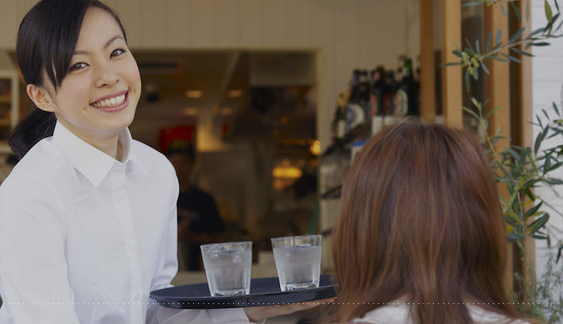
(107,76)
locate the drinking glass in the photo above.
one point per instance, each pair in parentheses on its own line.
(298,261)
(227,267)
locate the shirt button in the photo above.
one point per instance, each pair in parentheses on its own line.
(137,296)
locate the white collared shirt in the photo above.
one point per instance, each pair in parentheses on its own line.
(85,238)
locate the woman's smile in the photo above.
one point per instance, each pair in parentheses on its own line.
(112,102)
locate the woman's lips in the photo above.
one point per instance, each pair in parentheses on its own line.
(112,102)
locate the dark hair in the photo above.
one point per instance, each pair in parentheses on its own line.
(420,208)
(46,41)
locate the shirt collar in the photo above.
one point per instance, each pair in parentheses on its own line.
(88,160)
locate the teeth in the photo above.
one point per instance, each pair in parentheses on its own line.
(110,102)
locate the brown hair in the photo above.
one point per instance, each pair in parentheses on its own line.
(420,220)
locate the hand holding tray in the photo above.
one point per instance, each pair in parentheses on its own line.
(263,292)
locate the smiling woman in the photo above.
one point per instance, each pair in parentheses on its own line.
(98,96)
(81,178)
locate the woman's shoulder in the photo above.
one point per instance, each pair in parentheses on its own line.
(398,312)
(40,163)
(151,160)
(391,313)
(481,315)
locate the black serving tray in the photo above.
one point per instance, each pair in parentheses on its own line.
(263,292)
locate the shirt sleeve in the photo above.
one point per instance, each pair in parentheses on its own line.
(33,266)
(157,314)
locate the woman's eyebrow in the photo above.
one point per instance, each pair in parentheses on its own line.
(106,45)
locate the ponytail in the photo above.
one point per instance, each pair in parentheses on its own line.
(35,127)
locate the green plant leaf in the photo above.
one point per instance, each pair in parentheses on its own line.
(529,194)
(490,113)
(485,68)
(503,11)
(512,58)
(533,210)
(540,237)
(498,58)
(554,181)
(457,53)
(538,224)
(513,237)
(498,37)
(545,113)
(471,112)
(477,46)
(539,139)
(517,11)
(516,35)
(548,12)
(511,221)
(555,166)
(537,31)
(489,40)
(452,63)
(521,52)
(471,4)
(476,103)
(541,44)
(555,109)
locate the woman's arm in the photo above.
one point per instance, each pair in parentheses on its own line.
(33,267)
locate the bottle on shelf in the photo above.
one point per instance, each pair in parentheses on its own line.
(339,121)
(378,92)
(406,96)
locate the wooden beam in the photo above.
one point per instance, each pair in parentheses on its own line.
(497,94)
(497,85)
(452,86)
(521,84)
(427,66)
(521,115)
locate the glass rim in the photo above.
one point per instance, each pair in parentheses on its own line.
(226,243)
(296,237)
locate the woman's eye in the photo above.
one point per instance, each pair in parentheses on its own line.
(117,52)
(77,66)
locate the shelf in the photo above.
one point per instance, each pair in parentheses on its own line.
(5,148)
(4,122)
(333,193)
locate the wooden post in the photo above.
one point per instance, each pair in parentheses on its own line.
(452,86)
(497,94)
(521,116)
(427,66)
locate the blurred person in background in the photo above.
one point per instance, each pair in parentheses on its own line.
(199,221)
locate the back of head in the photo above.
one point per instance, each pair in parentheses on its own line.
(46,41)
(420,221)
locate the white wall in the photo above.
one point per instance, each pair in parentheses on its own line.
(348,34)
(547,70)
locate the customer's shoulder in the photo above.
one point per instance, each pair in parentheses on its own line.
(390,313)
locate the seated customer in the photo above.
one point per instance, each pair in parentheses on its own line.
(420,225)
(199,221)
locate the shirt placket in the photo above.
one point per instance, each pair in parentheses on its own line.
(121,204)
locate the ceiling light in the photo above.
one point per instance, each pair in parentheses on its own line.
(190,111)
(315,147)
(194,93)
(234,93)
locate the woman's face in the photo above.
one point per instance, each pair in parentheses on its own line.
(99,95)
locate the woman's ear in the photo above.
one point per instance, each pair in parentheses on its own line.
(40,97)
